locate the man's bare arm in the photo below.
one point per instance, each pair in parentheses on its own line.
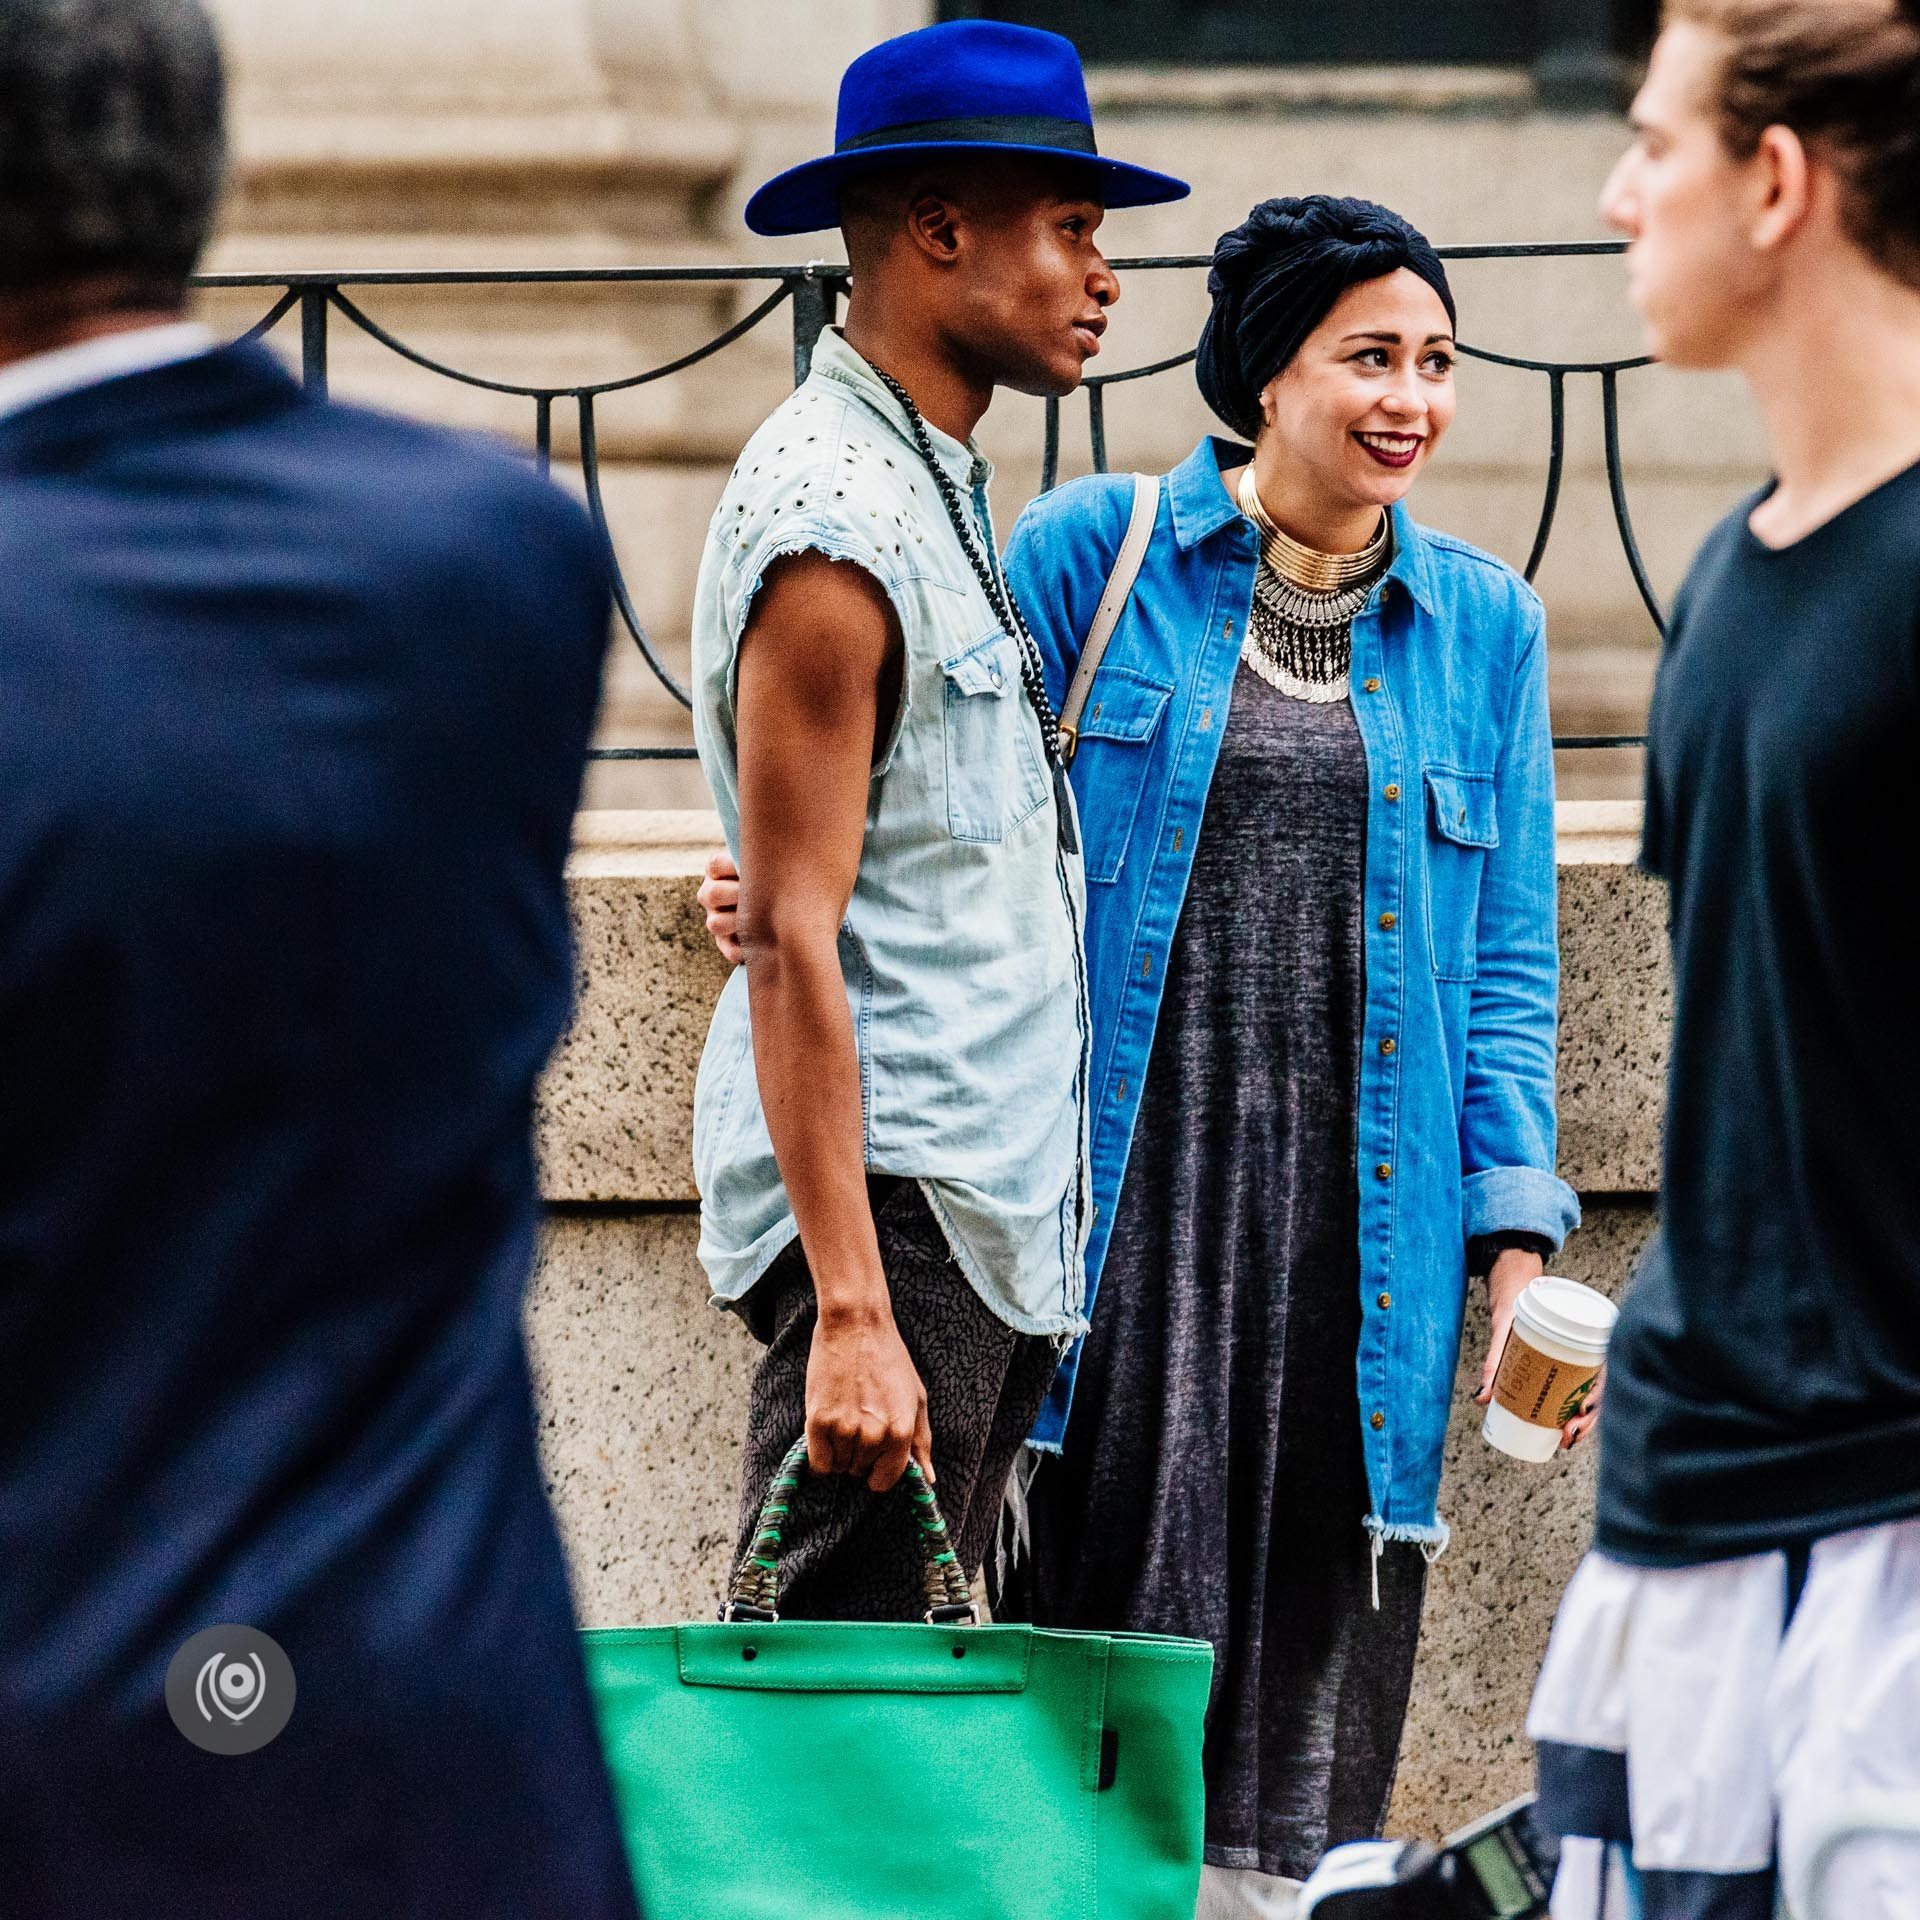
(820,667)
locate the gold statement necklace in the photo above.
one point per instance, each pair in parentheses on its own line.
(1300,638)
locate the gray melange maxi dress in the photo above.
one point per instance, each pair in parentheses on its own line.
(1211,1482)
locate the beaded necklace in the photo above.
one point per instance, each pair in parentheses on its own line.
(1300,636)
(993,584)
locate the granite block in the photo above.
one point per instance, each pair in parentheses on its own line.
(1616,1008)
(616,1105)
(642,1391)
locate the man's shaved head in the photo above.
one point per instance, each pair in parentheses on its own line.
(875,206)
(983,268)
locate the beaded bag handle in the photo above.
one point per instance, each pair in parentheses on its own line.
(755,1593)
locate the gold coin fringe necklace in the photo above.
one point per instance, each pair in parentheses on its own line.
(1300,637)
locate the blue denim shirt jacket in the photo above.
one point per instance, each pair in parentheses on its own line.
(1456,1105)
(960,948)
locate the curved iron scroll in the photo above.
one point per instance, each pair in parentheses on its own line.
(814,292)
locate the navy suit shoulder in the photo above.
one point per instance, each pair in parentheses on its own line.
(502,551)
(215,497)
(406,493)
(431,470)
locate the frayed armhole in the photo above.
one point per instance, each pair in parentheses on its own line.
(840,549)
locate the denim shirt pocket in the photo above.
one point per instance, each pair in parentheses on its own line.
(1462,825)
(995,774)
(1123,713)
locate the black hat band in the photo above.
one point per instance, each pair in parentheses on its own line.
(987,129)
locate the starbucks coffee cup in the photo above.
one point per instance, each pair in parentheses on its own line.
(1552,1357)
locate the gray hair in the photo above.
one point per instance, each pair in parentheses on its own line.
(112,140)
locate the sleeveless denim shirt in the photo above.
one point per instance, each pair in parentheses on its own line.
(961,948)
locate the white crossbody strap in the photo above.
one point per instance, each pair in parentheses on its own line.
(1113,603)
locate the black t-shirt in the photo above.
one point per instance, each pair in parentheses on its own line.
(1764,1383)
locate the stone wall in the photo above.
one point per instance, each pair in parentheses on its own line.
(643,1385)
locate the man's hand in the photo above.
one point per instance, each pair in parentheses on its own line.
(720,901)
(866,1408)
(1513,1271)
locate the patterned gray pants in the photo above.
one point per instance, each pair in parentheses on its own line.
(851,1554)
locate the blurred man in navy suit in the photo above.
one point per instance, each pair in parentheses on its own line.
(293,702)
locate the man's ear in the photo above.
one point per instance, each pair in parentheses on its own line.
(933,225)
(1788,181)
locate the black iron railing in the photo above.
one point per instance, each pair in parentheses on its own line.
(814,293)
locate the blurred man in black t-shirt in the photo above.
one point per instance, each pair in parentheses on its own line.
(1739,1657)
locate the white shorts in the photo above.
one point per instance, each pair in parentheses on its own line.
(1716,1729)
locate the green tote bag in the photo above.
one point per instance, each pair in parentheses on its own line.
(772,1769)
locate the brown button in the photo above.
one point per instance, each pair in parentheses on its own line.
(1179,838)
(1120,1092)
(1383,1171)
(1387,1046)
(1386,1300)
(1370,686)
(1379,1421)
(1389,921)
(1146,967)
(1227,631)
(1393,793)
(1206,718)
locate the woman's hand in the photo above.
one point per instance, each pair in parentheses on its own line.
(1584,1422)
(720,901)
(1512,1272)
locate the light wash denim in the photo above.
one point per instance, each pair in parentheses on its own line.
(961,946)
(1456,1112)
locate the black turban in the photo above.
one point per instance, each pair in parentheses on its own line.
(1275,278)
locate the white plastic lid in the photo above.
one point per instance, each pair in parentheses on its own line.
(1567,1310)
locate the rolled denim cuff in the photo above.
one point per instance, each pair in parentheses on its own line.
(1518,1200)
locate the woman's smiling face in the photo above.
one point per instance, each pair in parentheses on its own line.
(1359,410)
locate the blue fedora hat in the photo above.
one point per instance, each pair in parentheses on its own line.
(966,86)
